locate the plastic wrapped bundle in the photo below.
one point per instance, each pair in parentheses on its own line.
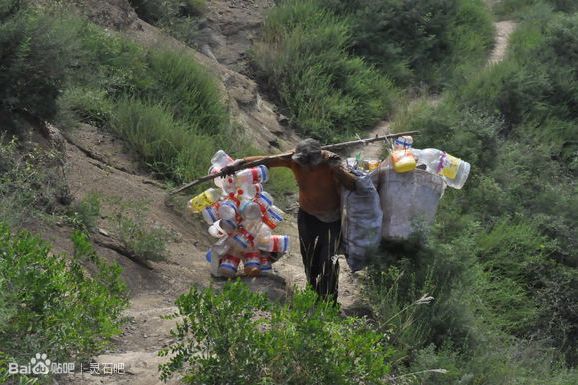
(361,222)
(409,201)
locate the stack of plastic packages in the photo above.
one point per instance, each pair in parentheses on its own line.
(242,217)
(404,158)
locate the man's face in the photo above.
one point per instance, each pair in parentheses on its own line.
(308,159)
(308,153)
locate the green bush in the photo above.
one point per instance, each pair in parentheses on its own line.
(30,183)
(33,59)
(169,147)
(303,57)
(84,214)
(51,305)
(237,336)
(189,90)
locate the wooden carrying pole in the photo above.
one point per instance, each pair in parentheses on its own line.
(266,159)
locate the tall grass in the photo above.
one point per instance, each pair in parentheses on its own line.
(303,58)
(166,107)
(168,146)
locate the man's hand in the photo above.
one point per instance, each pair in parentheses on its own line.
(234,167)
(332,159)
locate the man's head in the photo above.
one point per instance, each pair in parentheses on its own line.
(308,153)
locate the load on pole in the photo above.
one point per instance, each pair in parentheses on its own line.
(288,155)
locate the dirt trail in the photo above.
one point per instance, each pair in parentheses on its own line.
(503,31)
(376,150)
(96,162)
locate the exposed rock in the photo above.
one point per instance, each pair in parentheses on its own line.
(117,14)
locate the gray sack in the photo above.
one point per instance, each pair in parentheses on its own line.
(409,202)
(361,222)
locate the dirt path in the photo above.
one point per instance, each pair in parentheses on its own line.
(503,31)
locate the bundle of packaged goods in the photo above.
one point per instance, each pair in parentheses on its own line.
(241,216)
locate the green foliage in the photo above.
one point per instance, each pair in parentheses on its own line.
(303,57)
(30,183)
(515,122)
(51,304)
(521,8)
(169,147)
(419,40)
(84,214)
(142,240)
(188,89)
(165,106)
(237,336)
(86,105)
(33,59)
(161,11)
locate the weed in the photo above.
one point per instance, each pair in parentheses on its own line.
(239,337)
(84,214)
(137,236)
(328,92)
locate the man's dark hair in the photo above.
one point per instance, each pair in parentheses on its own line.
(308,152)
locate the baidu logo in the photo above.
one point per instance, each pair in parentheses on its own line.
(41,365)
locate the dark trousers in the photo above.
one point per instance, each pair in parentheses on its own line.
(319,242)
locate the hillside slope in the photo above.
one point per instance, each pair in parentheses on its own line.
(98,163)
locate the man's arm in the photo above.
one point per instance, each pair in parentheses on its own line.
(273,162)
(347,179)
(239,164)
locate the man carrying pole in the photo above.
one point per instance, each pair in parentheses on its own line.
(319,175)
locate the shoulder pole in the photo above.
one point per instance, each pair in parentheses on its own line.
(266,159)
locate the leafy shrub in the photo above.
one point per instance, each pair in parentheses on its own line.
(237,336)
(30,183)
(51,304)
(33,60)
(302,56)
(84,214)
(142,240)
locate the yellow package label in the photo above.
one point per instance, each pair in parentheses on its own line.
(372,164)
(198,203)
(403,161)
(451,165)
